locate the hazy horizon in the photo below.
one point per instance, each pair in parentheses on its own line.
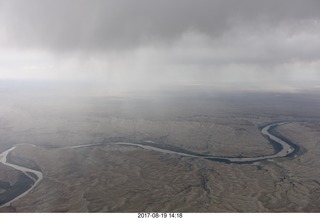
(124,44)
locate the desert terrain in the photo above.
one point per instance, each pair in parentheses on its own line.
(72,141)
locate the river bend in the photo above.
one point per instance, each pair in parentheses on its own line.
(287,148)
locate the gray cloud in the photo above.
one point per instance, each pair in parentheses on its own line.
(83,24)
(128,41)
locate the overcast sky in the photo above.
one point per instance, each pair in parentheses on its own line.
(129,42)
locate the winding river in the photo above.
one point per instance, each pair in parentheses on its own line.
(27,171)
(287,148)
(284,148)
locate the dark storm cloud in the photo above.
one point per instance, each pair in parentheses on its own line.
(99,25)
(167,41)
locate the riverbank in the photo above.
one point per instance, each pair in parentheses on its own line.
(283,147)
(27,180)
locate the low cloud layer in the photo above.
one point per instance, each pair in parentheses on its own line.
(129,42)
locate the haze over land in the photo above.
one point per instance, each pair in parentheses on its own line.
(105,99)
(126,43)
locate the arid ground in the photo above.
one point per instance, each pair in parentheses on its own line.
(106,177)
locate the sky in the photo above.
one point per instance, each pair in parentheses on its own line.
(149,42)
